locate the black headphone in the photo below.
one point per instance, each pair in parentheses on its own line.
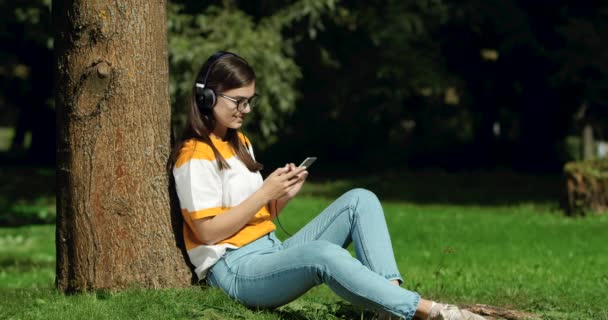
(205,97)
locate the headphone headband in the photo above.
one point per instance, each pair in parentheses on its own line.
(206,96)
(214,58)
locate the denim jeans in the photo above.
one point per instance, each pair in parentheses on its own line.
(270,273)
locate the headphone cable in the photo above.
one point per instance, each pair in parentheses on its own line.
(278,220)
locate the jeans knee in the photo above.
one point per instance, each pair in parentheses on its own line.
(362,195)
(330,260)
(325,252)
(359,196)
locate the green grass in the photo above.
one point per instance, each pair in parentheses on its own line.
(521,254)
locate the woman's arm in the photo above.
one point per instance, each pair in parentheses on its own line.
(275,207)
(217,228)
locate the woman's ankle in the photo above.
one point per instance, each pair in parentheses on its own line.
(423,309)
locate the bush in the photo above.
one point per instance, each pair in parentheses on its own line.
(586,187)
(38,211)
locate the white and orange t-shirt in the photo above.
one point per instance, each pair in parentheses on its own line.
(204,191)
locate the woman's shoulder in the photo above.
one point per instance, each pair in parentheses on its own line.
(194,149)
(243,138)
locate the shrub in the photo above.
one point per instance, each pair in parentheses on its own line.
(586,187)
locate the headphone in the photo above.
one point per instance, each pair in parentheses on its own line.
(205,97)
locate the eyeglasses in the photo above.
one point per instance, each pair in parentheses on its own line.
(242,103)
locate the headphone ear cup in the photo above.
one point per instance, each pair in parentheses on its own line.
(209,99)
(205,99)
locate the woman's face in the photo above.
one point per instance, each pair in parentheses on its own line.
(226,112)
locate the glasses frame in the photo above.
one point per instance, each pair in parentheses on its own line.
(241,104)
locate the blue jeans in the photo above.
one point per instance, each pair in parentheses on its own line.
(270,273)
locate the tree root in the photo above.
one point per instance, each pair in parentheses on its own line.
(493,312)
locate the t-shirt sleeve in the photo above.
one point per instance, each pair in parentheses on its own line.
(199,188)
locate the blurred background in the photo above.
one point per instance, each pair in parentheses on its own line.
(440,87)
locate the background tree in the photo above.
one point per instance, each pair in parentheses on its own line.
(441,83)
(367,77)
(114,226)
(197,29)
(26,71)
(583,71)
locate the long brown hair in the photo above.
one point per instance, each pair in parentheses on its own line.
(229,72)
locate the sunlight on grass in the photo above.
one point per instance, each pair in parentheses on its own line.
(526,255)
(27,257)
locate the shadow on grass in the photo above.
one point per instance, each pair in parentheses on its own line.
(432,187)
(305,310)
(27,195)
(25,264)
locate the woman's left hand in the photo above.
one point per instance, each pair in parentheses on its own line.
(291,193)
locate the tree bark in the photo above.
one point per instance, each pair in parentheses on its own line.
(588,143)
(116,216)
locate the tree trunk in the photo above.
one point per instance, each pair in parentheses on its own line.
(588,143)
(116,216)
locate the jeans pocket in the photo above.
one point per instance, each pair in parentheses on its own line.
(232,258)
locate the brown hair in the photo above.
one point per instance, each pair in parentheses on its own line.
(228,72)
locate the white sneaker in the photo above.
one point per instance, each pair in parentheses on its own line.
(451,312)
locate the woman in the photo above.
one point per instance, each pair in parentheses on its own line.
(228,211)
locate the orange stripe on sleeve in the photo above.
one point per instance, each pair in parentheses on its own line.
(207,212)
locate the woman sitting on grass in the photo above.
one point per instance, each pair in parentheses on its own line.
(228,211)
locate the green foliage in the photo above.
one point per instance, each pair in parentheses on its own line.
(403,33)
(587,187)
(194,36)
(372,74)
(573,148)
(597,169)
(390,47)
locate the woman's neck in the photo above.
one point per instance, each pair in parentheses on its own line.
(219,133)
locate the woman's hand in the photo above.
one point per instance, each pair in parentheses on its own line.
(281,182)
(300,177)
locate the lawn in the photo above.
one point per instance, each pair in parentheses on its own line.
(496,240)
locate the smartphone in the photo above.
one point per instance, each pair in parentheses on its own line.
(308,162)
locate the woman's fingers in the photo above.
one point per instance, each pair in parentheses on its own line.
(292,166)
(294,173)
(288,176)
(279,171)
(290,171)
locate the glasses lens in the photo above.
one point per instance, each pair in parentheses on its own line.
(253,101)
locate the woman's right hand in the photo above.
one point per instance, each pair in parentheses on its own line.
(280,181)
